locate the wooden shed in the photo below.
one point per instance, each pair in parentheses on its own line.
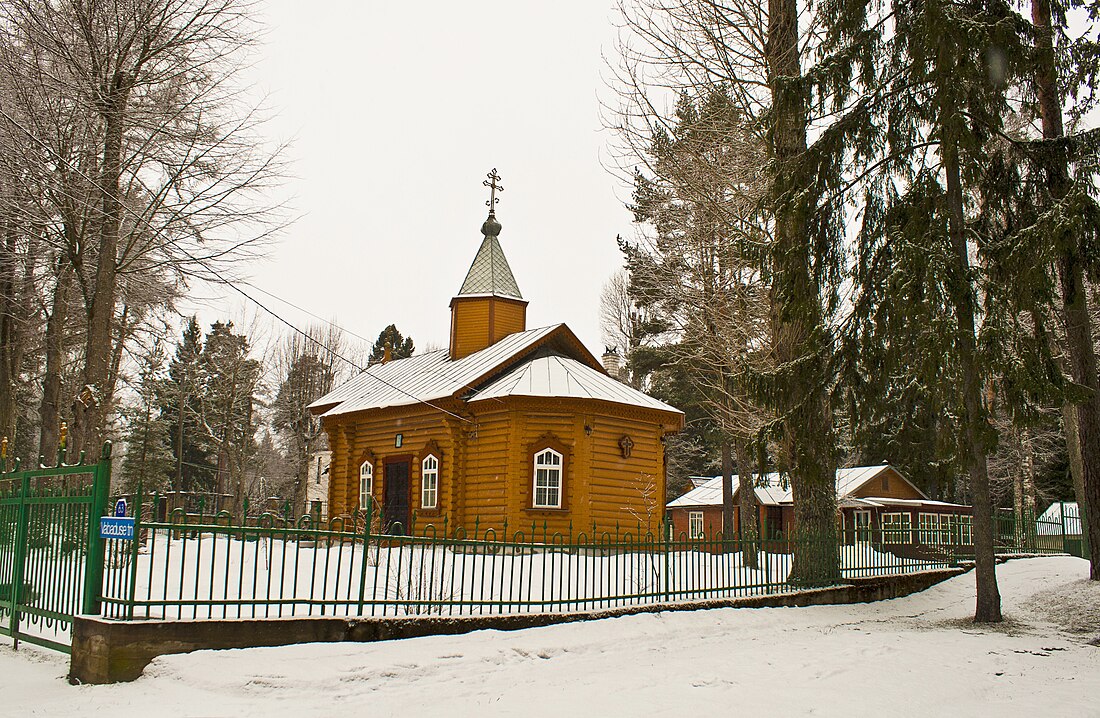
(508,428)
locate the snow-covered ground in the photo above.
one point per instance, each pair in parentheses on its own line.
(915,656)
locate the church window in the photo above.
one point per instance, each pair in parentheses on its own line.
(366,481)
(429,482)
(548,475)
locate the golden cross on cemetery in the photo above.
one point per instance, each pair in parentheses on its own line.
(491,183)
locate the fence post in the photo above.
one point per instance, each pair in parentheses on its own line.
(1062,518)
(20,555)
(134,546)
(94,560)
(667,537)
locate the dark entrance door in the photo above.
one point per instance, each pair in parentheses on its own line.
(396,506)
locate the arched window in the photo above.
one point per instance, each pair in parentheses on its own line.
(366,482)
(429,482)
(548,479)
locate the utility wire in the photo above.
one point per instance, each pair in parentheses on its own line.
(221,278)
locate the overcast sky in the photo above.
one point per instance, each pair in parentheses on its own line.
(396,111)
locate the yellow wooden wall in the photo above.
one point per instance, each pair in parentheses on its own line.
(477,322)
(486,469)
(350,437)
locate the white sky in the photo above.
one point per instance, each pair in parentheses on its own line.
(396,112)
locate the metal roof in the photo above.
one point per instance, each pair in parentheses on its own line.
(490,274)
(774,491)
(550,374)
(427,377)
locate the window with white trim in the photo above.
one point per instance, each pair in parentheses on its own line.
(929,528)
(695,524)
(896,528)
(966,530)
(429,482)
(949,526)
(548,465)
(366,482)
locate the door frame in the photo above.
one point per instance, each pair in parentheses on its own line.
(406,459)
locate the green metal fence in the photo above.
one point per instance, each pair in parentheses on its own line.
(51,556)
(192,566)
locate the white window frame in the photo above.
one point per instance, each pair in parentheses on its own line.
(548,478)
(429,482)
(947,532)
(966,529)
(696,529)
(896,527)
(366,481)
(928,527)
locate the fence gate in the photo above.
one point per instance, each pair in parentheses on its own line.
(51,554)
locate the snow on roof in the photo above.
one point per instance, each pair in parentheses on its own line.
(884,501)
(774,491)
(552,375)
(424,377)
(1051,522)
(432,376)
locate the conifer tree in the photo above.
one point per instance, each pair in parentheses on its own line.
(401,347)
(1069,220)
(230,382)
(181,404)
(147,461)
(938,87)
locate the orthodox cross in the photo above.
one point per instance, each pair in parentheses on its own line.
(491,183)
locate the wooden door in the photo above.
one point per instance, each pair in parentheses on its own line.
(395,508)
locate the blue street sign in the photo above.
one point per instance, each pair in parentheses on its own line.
(111,527)
(120,507)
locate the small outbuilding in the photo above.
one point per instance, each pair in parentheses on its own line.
(874,503)
(507,429)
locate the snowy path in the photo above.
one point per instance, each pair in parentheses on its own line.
(916,656)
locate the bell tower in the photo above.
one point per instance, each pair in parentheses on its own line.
(488,306)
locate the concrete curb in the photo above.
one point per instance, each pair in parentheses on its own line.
(110,651)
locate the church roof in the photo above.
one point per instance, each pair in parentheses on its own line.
(550,374)
(490,274)
(549,362)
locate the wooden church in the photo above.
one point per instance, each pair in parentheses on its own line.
(507,425)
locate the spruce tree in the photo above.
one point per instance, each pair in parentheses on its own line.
(401,347)
(182,408)
(230,383)
(938,99)
(1070,220)
(147,461)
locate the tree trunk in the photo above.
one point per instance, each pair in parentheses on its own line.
(8,258)
(90,410)
(988,608)
(1073,449)
(797,316)
(747,507)
(49,410)
(727,491)
(1071,273)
